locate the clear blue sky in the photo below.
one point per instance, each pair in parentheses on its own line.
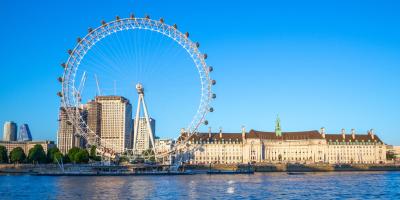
(332,63)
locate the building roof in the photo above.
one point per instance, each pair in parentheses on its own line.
(105,98)
(216,137)
(302,135)
(349,138)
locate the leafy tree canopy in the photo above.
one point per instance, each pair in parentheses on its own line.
(17,155)
(37,154)
(82,156)
(72,152)
(3,154)
(50,154)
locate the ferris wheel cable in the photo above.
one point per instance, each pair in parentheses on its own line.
(170,48)
(123,48)
(105,63)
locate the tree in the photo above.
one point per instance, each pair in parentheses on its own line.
(58,157)
(82,156)
(390,155)
(3,154)
(71,154)
(93,154)
(50,154)
(17,155)
(37,154)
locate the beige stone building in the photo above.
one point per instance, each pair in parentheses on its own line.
(116,122)
(284,147)
(26,145)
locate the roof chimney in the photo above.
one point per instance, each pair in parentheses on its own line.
(353,134)
(220,132)
(322,132)
(243,132)
(372,133)
(209,132)
(343,133)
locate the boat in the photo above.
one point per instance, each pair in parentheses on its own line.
(296,173)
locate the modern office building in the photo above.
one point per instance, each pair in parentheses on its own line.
(66,135)
(10,131)
(24,133)
(143,141)
(285,147)
(116,122)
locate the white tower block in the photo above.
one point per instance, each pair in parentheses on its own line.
(140,91)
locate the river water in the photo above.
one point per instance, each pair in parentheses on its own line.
(333,185)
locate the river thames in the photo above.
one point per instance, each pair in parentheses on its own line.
(333,185)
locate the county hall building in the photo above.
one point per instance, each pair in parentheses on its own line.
(285,147)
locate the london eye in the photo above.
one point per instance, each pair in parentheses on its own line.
(74,78)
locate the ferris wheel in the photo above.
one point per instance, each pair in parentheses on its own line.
(71,91)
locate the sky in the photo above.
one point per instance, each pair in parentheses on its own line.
(332,64)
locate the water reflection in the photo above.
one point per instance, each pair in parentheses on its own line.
(355,185)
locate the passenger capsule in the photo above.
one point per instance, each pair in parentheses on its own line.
(213,82)
(78,40)
(161,20)
(214,96)
(205,56)
(206,122)
(90,30)
(210,69)
(104,23)
(132,16)
(63,65)
(117,18)
(59,94)
(175,26)
(147,17)
(187,34)
(211,109)
(197,44)
(69,51)
(60,79)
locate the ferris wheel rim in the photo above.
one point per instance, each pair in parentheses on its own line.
(96,35)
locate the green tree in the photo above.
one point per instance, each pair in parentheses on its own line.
(82,156)
(93,154)
(3,154)
(37,154)
(50,154)
(17,155)
(71,154)
(58,157)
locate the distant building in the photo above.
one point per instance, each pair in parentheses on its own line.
(66,135)
(93,120)
(143,141)
(163,147)
(26,145)
(24,133)
(284,147)
(116,122)
(10,131)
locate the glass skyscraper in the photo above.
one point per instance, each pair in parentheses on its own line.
(24,133)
